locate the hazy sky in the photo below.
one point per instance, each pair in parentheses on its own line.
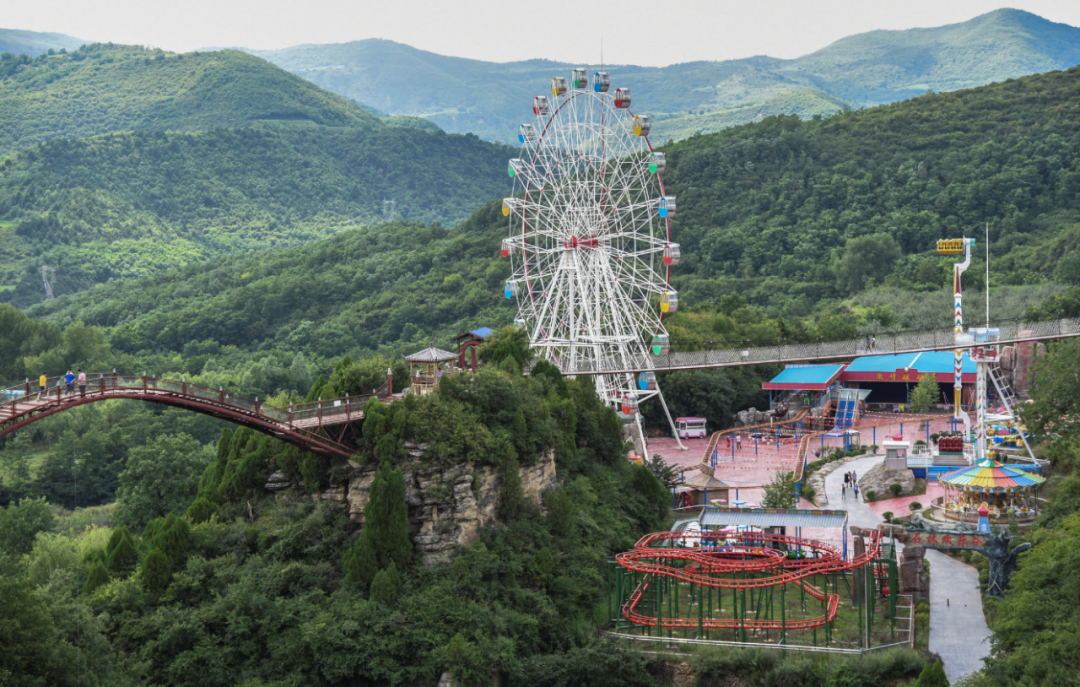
(646,32)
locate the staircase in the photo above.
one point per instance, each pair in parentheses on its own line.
(1008,399)
(846,407)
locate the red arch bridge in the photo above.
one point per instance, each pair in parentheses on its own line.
(319,426)
(322,426)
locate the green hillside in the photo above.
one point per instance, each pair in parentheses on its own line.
(797,217)
(129,204)
(490,99)
(791,213)
(33,43)
(104,88)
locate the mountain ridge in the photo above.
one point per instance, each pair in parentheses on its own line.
(403,80)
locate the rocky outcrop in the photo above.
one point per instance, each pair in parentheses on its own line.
(878,479)
(448,504)
(913,577)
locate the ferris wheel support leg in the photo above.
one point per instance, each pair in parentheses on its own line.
(674,432)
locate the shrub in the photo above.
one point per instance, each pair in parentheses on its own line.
(895,489)
(887,515)
(808,492)
(870,495)
(914,506)
(932,675)
(920,442)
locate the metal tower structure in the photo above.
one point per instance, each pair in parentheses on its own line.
(48,275)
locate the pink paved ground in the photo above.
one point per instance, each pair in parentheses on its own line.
(900,506)
(746,470)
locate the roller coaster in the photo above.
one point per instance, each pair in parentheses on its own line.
(666,583)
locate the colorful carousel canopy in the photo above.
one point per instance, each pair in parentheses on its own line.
(991,478)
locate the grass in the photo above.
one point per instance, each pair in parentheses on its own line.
(74,522)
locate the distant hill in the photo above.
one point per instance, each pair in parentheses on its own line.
(767,212)
(490,99)
(131,204)
(33,43)
(103,88)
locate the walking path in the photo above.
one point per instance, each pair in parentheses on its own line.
(958,631)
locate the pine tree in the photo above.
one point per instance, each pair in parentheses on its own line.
(156,571)
(932,675)
(360,565)
(98,576)
(386,586)
(121,552)
(201,510)
(386,517)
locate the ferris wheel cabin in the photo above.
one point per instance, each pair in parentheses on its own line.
(601,82)
(672,254)
(540,105)
(657,163)
(558,86)
(646,381)
(642,126)
(661,344)
(669,302)
(622,98)
(526,134)
(579,78)
(666,208)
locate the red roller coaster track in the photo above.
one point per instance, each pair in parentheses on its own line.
(721,557)
(320,427)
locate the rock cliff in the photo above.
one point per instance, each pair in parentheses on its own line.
(448,504)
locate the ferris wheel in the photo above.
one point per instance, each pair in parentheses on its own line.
(590,238)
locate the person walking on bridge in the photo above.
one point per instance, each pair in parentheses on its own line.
(43,382)
(82,382)
(69,380)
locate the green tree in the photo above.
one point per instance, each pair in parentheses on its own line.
(360,563)
(925,394)
(1055,392)
(386,517)
(96,577)
(160,478)
(780,492)
(386,586)
(121,555)
(864,257)
(507,343)
(19,524)
(156,571)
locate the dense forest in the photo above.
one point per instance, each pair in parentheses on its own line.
(102,88)
(791,213)
(131,204)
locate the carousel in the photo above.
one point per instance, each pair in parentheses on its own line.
(1002,490)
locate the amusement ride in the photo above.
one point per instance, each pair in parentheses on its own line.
(590,239)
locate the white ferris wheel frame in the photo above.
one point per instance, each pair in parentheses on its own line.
(586,242)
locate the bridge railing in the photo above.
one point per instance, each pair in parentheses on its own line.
(330,411)
(885,343)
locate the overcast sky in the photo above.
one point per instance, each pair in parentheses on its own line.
(645,32)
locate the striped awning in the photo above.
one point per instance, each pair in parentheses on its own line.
(991,477)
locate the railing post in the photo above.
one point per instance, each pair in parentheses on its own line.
(221,395)
(318,407)
(114,377)
(144,387)
(101,382)
(290,413)
(256,405)
(183,386)
(348,408)
(27,387)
